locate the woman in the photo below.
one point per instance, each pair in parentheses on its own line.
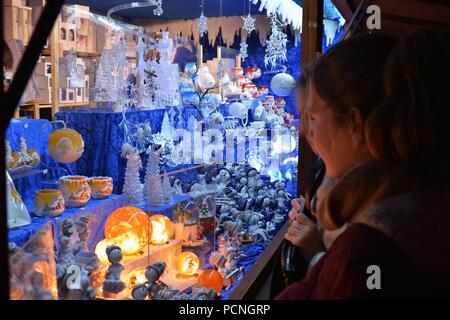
(338,94)
(397,206)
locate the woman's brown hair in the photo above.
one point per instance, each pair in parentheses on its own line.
(410,129)
(350,74)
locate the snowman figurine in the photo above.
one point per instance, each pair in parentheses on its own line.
(113,283)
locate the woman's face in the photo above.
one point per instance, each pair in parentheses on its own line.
(304,117)
(338,140)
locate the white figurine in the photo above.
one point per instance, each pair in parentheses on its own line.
(113,283)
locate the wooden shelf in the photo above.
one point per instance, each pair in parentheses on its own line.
(82,54)
(74,104)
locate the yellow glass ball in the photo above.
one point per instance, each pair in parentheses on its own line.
(162,229)
(130,228)
(65,145)
(187,263)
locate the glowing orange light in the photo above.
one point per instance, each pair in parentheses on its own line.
(137,276)
(100,251)
(130,228)
(187,263)
(162,229)
(211,279)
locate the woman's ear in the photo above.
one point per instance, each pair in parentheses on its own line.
(356,125)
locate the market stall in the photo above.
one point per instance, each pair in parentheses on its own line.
(167,165)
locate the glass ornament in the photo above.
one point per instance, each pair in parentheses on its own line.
(65,145)
(211,279)
(187,264)
(162,229)
(129,227)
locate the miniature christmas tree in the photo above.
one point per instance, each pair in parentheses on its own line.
(153,187)
(132,188)
(167,190)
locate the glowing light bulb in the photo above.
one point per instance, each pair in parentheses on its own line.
(187,264)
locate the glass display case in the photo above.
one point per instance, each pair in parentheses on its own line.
(158,176)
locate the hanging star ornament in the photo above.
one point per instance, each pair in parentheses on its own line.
(159,10)
(249,23)
(202,24)
(243,50)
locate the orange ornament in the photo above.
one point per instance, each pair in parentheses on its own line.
(162,229)
(130,228)
(187,263)
(211,279)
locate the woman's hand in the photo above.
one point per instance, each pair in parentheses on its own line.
(304,234)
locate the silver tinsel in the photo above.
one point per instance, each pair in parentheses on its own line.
(276,45)
(243,50)
(249,23)
(159,10)
(202,24)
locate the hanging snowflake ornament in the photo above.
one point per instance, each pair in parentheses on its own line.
(243,50)
(159,10)
(202,24)
(276,45)
(249,23)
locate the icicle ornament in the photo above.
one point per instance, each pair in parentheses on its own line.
(243,50)
(202,25)
(276,45)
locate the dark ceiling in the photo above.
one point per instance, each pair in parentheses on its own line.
(175,9)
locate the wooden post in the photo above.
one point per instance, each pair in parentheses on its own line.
(55,53)
(36,110)
(311,49)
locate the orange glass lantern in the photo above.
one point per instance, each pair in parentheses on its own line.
(187,264)
(137,276)
(211,279)
(100,251)
(130,228)
(162,229)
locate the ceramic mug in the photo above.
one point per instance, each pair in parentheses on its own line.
(48,203)
(101,187)
(75,190)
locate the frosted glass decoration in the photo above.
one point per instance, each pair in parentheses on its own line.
(18,215)
(282,84)
(165,48)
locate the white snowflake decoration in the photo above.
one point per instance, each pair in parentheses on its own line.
(159,10)
(249,23)
(243,50)
(202,24)
(276,45)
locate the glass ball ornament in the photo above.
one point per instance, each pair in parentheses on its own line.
(238,110)
(211,279)
(65,145)
(187,264)
(162,229)
(129,227)
(282,84)
(206,80)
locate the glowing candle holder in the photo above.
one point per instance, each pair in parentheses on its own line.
(187,264)
(162,229)
(100,251)
(130,228)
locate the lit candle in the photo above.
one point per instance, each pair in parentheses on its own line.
(238,61)
(199,56)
